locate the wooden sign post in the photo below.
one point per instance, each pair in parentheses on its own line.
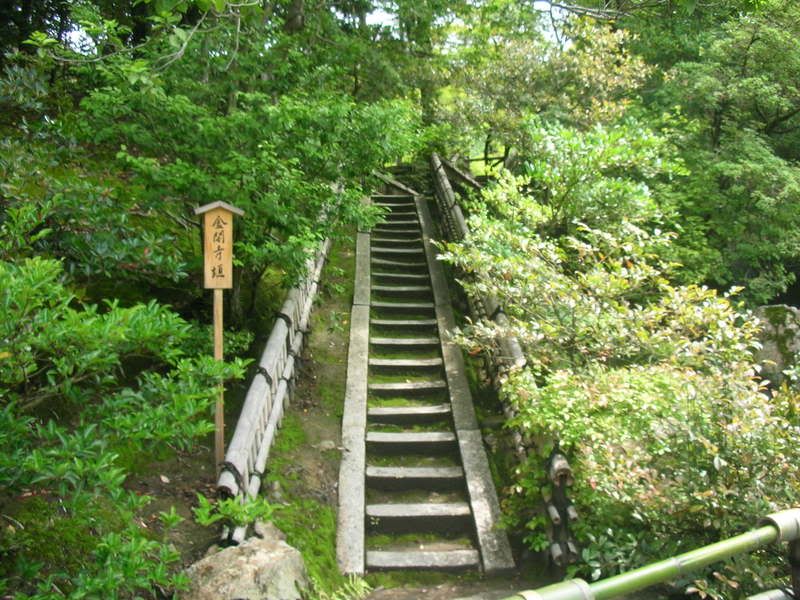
(218,276)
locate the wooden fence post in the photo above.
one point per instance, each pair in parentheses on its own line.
(218,276)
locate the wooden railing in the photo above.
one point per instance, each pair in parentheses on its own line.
(783,526)
(508,357)
(270,391)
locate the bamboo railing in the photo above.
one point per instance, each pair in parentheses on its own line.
(269,392)
(783,526)
(509,356)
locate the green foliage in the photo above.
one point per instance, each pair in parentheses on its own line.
(93,553)
(232,512)
(88,220)
(129,389)
(738,208)
(649,387)
(602,177)
(512,72)
(77,357)
(354,588)
(738,216)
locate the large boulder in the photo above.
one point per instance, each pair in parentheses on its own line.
(261,568)
(780,339)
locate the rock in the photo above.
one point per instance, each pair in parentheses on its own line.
(267,530)
(780,339)
(260,568)
(275,494)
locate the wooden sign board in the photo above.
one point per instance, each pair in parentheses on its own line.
(218,276)
(218,244)
(218,249)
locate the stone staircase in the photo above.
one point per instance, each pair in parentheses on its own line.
(415,491)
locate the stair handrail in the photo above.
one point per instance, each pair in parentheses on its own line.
(270,391)
(782,526)
(557,505)
(512,357)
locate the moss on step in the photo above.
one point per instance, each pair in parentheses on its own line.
(405,460)
(416,541)
(415,495)
(383,352)
(406,376)
(444,424)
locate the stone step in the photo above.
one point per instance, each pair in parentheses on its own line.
(404,307)
(405,324)
(380,230)
(397,251)
(405,343)
(404,478)
(394,198)
(401,289)
(412,291)
(398,206)
(400,213)
(444,560)
(407,388)
(412,442)
(424,516)
(401,265)
(400,224)
(394,240)
(391,364)
(386,277)
(409,415)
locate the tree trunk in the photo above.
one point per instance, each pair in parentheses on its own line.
(237,313)
(141,25)
(716,127)
(427,98)
(295,17)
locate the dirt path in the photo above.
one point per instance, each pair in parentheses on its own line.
(493,589)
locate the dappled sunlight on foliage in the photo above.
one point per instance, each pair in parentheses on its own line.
(648,386)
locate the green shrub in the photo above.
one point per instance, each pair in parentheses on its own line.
(648,387)
(85,391)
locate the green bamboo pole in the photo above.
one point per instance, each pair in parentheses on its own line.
(672,568)
(782,526)
(771,595)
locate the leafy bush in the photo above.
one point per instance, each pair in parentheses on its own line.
(232,512)
(85,390)
(605,175)
(737,127)
(649,387)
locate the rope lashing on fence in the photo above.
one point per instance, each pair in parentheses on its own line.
(264,373)
(284,317)
(237,476)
